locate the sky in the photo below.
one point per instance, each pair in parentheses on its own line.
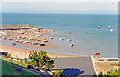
(60,7)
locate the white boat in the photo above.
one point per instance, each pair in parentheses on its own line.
(61,39)
(4,33)
(37,35)
(69,40)
(4,38)
(20,32)
(19,37)
(111,30)
(26,42)
(51,37)
(38,40)
(23,37)
(30,38)
(45,40)
(99,27)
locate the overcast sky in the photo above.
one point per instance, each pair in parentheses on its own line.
(61,7)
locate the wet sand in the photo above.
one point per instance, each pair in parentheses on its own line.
(20,52)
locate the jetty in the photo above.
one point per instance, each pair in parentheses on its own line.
(15,27)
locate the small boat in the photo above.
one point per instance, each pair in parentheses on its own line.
(19,37)
(35,43)
(21,41)
(10,39)
(30,38)
(37,35)
(111,30)
(20,32)
(61,39)
(45,40)
(69,40)
(14,43)
(17,40)
(23,37)
(99,27)
(4,38)
(42,44)
(26,42)
(110,27)
(97,53)
(71,45)
(38,40)
(51,37)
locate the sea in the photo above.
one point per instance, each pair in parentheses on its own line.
(82,29)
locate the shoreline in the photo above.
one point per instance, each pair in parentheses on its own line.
(20,52)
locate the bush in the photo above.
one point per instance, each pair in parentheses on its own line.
(30,67)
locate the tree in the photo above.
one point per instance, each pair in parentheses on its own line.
(114,73)
(57,73)
(8,55)
(40,59)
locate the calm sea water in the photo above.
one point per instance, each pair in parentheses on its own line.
(96,40)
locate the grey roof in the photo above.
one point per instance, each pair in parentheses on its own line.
(82,63)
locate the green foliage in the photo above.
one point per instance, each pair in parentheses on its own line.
(8,55)
(41,60)
(21,61)
(114,73)
(57,73)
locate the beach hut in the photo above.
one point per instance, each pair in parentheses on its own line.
(51,37)
(61,39)
(10,39)
(42,44)
(68,40)
(45,40)
(17,40)
(4,38)
(71,45)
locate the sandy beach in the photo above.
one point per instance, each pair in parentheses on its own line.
(20,52)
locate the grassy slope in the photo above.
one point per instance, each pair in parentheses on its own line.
(9,69)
